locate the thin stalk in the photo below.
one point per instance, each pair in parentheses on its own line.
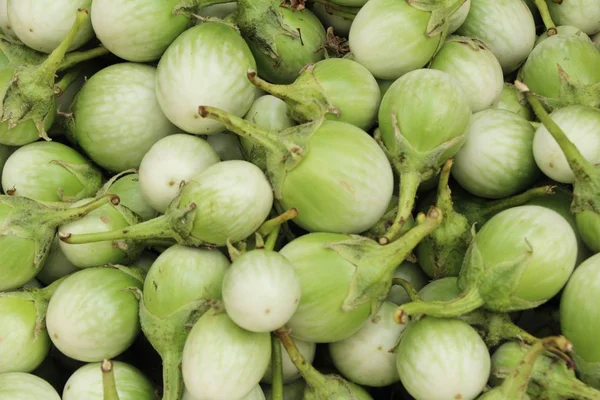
(276,369)
(582,168)
(172,381)
(312,377)
(272,239)
(268,226)
(495,207)
(109,385)
(244,128)
(410,289)
(77,57)
(444,195)
(64,215)
(66,81)
(463,304)
(502,328)
(51,64)
(157,228)
(409,183)
(542,6)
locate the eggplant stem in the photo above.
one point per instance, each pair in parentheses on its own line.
(276,369)
(410,289)
(65,215)
(268,226)
(72,59)
(108,381)
(542,7)
(171,371)
(409,183)
(494,207)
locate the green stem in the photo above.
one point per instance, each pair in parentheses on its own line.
(500,328)
(582,168)
(272,239)
(463,304)
(573,389)
(276,369)
(66,81)
(156,228)
(409,183)
(269,226)
(64,215)
(109,385)
(48,68)
(542,6)
(410,290)
(312,377)
(172,377)
(244,128)
(444,195)
(494,207)
(77,57)
(185,7)
(519,379)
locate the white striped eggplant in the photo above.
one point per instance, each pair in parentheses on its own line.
(289,370)
(344,279)
(582,14)
(27,231)
(127,186)
(513,100)
(207,64)
(503,265)
(391,38)
(21,385)
(341,89)
(227,201)
(333,173)
(505,26)
(419,136)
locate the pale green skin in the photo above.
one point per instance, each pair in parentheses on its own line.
(496,160)
(442,113)
(293,54)
(227,145)
(290,372)
(233,198)
(513,100)
(256,394)
(440,359)
(221,360)
(56,265)
(5,152)
(554,249)
(17,265)
(354,193)
(24,386)
(341,26)
(576,55)
(291,391)
(475,67)
(351,88)
(588,225)
(506,26)
(42,25)
(414,275)
(103,219)
(181,275)
(583,14)
(205,66)
(563,30)
(26,131)
(261,291)
(580,318)
(33,171)
(93,316)
(443,289)
(137,30)
(130,196)
(459,17)
(270,113)
(20,350)
(365,357)
(388,37)
(117,118)
(86,383)
(325,280)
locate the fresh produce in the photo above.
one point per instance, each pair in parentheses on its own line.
(289,371)
(56,265)
(20,385)
(205,65)
(222,360)
(50,171)
(476,68)
(345,200)
(583,14)
(442,359)
(93,314)
(420,136)
(341,89)
(42,25)
(169,163)
(551,377)
(86,383)
(116,117)
(127,187)
(240,190)
(506,27)
(413,274)
(578,319)
(137,30)
(504,262)
(513,100)
(27,231)
(497,159)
